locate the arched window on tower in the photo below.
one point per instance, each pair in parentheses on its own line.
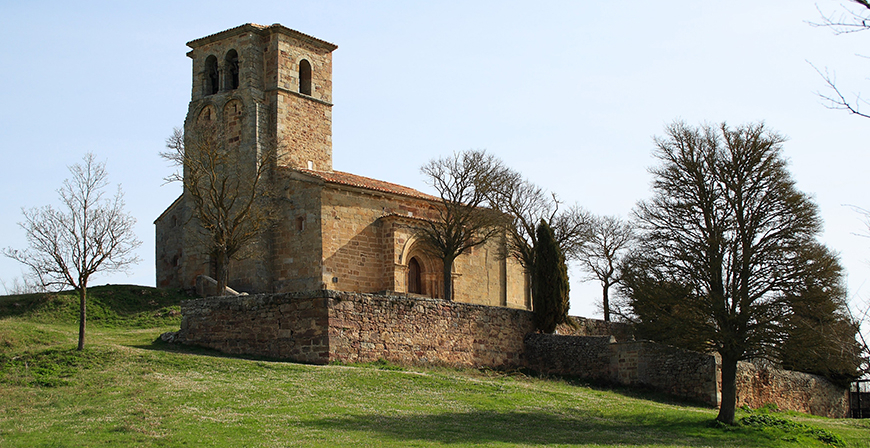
(415,277)
(232,61)
(211,76)
(304,77)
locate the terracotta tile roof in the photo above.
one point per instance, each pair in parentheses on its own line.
(353,180)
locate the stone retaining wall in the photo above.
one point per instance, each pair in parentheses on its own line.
(681,373)
(759,384)
(323,326)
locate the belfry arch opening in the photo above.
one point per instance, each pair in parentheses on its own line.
(232,64)
(212,76)
(304,77)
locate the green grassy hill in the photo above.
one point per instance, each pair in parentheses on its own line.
(128,389)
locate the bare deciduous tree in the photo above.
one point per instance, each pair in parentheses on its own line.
(609,239)
(725,229)
(464,181)
(525,204)
(846,22)
(89,233)
(231,206)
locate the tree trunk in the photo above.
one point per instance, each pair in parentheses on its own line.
(448,279)
(83,293)
(729,390)
(606,302)
(221,272)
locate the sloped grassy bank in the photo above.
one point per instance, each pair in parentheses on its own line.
(129,389)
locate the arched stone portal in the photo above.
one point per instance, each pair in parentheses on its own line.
(422,272)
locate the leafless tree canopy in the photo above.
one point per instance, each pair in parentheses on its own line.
(465,219)
(88,233)
(609,239)
(230,202)
(852,20)
(525,204)
(727,223)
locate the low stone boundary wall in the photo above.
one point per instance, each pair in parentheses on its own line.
(323,326)
(678,372)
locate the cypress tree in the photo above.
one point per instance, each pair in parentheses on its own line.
(549,281)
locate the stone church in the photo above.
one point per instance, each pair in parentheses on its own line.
(336,231)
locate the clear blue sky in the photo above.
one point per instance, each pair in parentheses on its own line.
(570,93)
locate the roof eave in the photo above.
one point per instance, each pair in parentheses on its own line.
(261,30)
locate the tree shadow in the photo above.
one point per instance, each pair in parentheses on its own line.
(160,346)
(539,428)
(637,391)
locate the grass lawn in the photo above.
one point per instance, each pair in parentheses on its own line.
(126,389)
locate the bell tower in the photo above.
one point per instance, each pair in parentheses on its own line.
(265,91)
(270,88)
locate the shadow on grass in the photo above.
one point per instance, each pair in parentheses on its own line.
(638,391)
(534,428)
(161,346)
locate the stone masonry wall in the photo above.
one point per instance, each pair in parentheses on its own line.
(296,248)
(675,371)
(759,384)
(356,256)
(584,356)
(583,326)
(302,123)
(364,327)
(366,249)
(671,370)
(168,248)
(283,326)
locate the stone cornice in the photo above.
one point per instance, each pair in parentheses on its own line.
(262,30)
(290,92)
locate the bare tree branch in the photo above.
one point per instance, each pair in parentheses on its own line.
(526,204)
(850,21)
(836,100)
(859,313)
